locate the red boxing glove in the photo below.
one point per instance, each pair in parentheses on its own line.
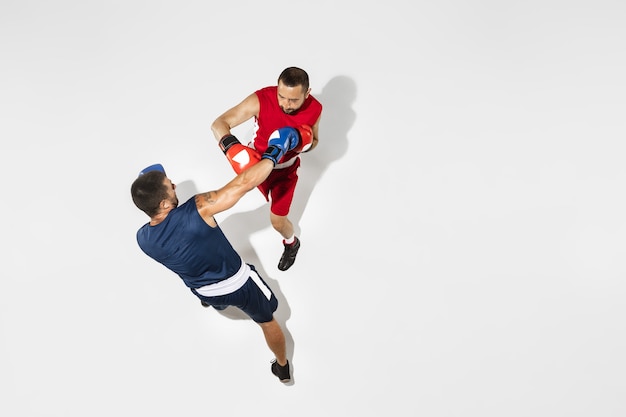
(306,138)
(240,157)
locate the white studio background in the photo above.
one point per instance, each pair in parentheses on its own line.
(462,220)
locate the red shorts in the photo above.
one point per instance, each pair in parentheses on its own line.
(279,187)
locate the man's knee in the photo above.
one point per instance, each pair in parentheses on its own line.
(278,221)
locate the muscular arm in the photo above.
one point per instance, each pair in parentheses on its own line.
(315,128)
(213,202)
(235,116)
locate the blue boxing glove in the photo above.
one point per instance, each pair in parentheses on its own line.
(280,142)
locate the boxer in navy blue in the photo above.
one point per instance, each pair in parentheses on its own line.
(188,241)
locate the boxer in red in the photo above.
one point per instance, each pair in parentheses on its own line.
(288,104)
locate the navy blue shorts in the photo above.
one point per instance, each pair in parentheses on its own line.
(249,298)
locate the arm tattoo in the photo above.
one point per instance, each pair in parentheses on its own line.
(207,198)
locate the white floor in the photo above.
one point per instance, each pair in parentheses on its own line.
(462,220)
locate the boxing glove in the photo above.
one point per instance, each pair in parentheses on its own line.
(280,142)
(306,138)
(240,157)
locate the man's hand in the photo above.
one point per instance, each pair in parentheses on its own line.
(240,157)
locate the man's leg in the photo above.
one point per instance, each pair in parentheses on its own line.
(283,225)
(275,339)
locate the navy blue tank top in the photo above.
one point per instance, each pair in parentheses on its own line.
(187,245)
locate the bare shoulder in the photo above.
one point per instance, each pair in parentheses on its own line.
(249,107)
(206,200)
(206,205)
(251,104)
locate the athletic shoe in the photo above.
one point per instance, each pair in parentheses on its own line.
(282,372)
(289,255)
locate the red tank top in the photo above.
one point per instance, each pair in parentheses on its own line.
(271,116)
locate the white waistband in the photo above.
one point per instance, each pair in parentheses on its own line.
(286,164)
(228,285)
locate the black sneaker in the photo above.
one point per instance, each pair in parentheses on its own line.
(289,255)
(282,372)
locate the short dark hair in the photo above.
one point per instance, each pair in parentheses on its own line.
(293,77)
(148,191)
